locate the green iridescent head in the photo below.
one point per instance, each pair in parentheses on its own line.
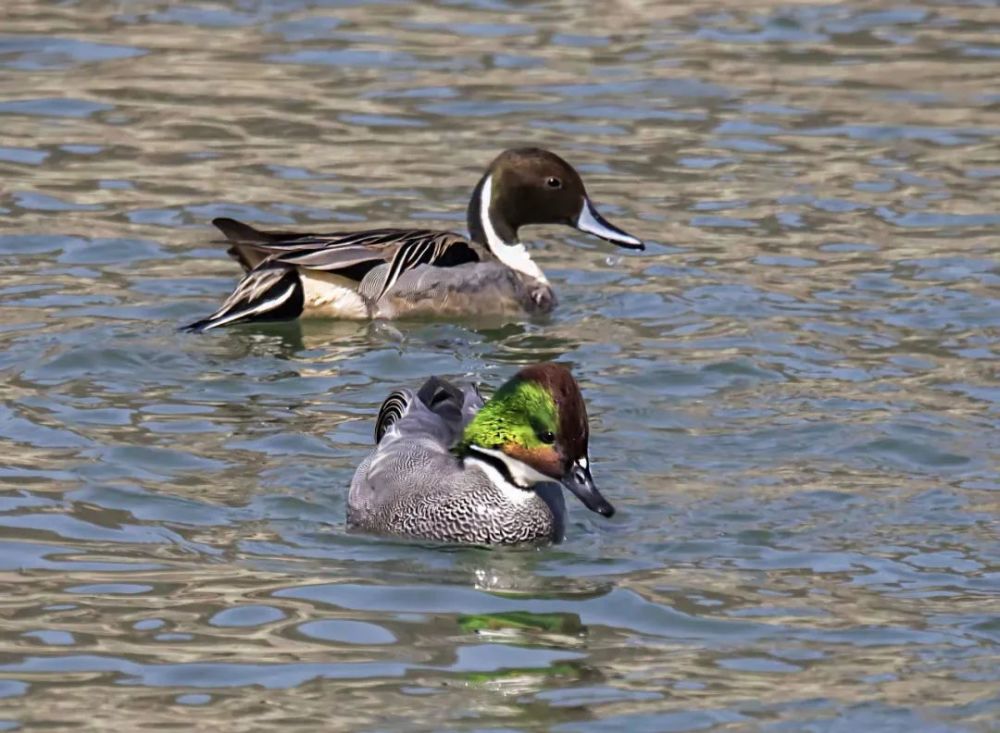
(535,430)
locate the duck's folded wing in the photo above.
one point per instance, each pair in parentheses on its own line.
(438,411)
(415,432)
(413,443)
(351,254)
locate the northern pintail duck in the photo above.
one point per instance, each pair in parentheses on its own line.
(389,273)
(448,467)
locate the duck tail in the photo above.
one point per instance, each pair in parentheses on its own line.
(240,255)
(391,412)
(245,240)
(269,293)
(237,231)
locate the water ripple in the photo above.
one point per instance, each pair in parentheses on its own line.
(793,391)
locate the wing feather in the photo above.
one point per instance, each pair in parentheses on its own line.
(337,252)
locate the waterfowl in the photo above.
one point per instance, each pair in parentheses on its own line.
(448,467)
(391,273)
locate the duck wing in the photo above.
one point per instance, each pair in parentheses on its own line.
(439,410)
(350,254)
(412,472)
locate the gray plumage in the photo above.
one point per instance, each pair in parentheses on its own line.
(469,290)
(395,273)
(413,485)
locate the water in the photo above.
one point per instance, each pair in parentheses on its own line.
(794,391)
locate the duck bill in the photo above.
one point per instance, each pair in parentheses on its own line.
(580,482)
(589,221)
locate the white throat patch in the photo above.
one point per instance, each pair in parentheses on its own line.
(510,492)
(515,256)
(521,472)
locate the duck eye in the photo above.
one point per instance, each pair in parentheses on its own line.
(547,437)
(553,182)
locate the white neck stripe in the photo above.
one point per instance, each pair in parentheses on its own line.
(524,475)
(515,256)
(513,494)
(485,198)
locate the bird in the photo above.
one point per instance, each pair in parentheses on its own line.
(397,273)
(449,467)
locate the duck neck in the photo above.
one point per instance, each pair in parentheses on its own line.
(513,470)
(499,475)
(487,227)
(521,500)
(495,467)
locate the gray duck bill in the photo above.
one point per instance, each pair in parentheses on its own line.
(578,480)
(589,221)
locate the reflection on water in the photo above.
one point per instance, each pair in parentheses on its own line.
(793,391)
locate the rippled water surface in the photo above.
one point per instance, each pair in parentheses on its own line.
(794,390)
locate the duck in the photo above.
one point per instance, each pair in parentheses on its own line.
(398,273)
(450,467)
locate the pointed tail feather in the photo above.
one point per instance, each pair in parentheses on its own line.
(269,293)
(237,231)
(244,238)
(244,257)
(240,233)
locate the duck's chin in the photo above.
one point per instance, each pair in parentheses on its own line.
(516,471)
(525,475)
